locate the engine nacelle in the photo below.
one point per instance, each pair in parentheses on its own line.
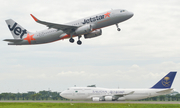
(111,98)
(83,29)
(108,98)
(95,99)
(93,34)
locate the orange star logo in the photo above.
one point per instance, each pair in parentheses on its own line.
(29,38)
(107,14)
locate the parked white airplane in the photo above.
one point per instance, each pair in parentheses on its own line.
(103,94)
(89,27)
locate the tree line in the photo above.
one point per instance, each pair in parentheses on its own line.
(168,97)
(41,95)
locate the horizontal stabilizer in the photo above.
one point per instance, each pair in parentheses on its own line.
(165,91)
(13,40)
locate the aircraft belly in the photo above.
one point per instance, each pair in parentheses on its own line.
(80,96)
(24,42)
(38,40)
(47,38)
(135,97)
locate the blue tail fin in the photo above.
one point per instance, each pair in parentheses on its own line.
(166,81)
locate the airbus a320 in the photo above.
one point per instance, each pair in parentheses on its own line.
(90,27)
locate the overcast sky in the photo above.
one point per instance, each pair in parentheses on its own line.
(146,48)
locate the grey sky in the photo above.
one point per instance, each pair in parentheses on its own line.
(144,51)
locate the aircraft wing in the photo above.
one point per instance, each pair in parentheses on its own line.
(66,28)
(121,95)
(13,40)
(117,95)
(165,91)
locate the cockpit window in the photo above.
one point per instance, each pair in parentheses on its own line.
(122,11)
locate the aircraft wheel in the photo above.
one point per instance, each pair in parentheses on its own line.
(71,40)
(79,42)
(118,29)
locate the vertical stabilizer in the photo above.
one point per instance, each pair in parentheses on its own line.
(166,81)
(17,31)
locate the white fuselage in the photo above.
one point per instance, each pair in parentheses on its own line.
(96,21)
(87,93)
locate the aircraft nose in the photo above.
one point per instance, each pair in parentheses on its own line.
(130,14)
(61,94)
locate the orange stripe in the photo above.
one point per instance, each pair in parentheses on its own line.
(67,36)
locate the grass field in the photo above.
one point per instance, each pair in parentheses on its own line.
(86,105)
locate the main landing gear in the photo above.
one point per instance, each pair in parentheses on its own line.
(79,42)
(118,29)
(71,39)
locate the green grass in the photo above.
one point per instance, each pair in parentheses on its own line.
(86,105)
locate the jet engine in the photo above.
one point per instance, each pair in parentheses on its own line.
(95,99)
(98,99)
(83,29)
(108,98)
(93,34)
(111,98)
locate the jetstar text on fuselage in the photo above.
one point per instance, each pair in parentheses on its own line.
(96,18)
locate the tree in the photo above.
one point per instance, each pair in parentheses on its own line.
(12,96)
(38,95)
(168,97)
(177,97)
(33,96)
(162,98)
(5,95)
(23,95)
(1,96)
(54,95)
(27,96)
(18,95)
(44,94)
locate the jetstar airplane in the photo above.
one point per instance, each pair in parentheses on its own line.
(103,94)
(89,27)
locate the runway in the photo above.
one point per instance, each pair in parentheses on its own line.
(131,102)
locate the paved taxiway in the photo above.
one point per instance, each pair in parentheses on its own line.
(140,102)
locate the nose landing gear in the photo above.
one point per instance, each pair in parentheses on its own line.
(118,29)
